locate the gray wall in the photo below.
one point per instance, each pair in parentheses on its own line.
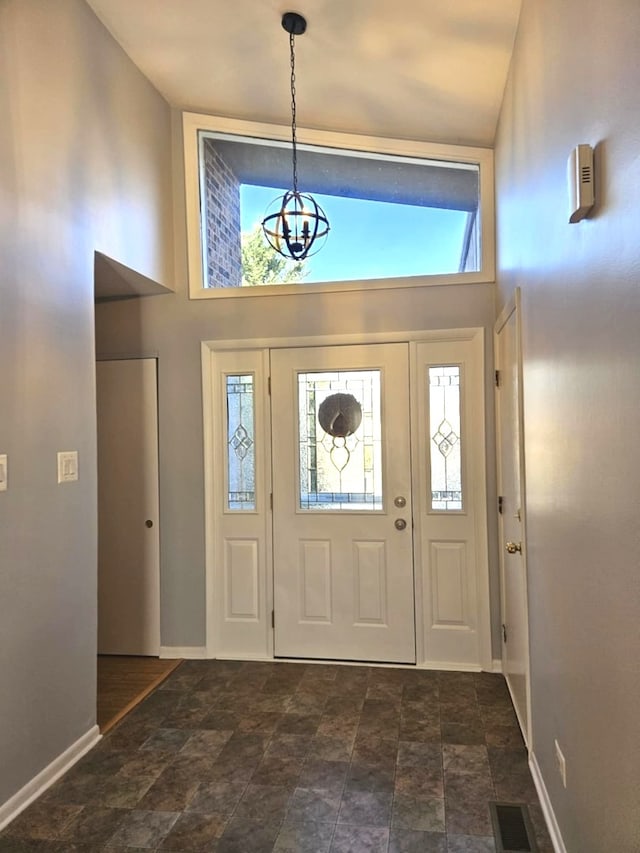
(575,79)
(173,327)
(84,165)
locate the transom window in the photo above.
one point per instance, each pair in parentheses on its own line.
(394,215)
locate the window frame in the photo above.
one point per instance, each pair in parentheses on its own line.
(193,123)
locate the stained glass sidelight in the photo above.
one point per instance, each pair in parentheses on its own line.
(446,440)
(241,461)
(340,472)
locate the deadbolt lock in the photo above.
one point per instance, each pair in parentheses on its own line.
(400,501)
(514,547)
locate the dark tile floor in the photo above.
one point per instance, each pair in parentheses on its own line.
(252,757)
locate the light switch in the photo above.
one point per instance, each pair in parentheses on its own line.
(67,466)
(4,472)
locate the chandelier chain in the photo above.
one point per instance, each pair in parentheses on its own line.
(298,226)
(294,141)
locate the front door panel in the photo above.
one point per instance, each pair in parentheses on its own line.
(342,511)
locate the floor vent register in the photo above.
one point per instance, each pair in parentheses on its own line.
(512,828)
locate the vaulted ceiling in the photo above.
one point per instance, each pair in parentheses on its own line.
(431,70)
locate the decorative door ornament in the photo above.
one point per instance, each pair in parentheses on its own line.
(340,415)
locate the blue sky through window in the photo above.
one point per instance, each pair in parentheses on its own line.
(372,239)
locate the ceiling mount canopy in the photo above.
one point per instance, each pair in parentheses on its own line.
(295,225)
(294,23)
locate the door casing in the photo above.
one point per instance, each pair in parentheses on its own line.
(261,625)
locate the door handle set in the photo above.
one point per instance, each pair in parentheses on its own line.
(400,501)
(514,547)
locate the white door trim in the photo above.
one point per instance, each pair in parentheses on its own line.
(401,337)
(208,350)
(511,307)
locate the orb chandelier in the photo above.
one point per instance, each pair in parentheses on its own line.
(295,225)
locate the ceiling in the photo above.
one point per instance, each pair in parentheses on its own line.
(429,70)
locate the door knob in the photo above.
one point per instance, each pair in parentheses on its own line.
(148,523)
(400,523)
(514,547)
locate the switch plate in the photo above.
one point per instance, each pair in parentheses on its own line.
(3,472)
(67,466)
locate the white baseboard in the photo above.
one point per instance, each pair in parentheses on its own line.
(448,666)
(547,808)
(496,665)
(248,657)
(39,784)
(187,652)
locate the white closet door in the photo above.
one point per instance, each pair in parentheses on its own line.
(128,508)
(513,570)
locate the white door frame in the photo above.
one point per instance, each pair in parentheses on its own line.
(511,307)
(477,453)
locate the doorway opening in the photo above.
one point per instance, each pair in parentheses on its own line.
(128,666)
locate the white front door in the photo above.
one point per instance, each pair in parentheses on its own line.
(342,508)
(327,567)
(515,627)
(128,508)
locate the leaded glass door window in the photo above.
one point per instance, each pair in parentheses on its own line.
(340,440)
(445,433)
(241,461)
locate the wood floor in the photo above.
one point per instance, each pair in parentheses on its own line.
(123,681)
